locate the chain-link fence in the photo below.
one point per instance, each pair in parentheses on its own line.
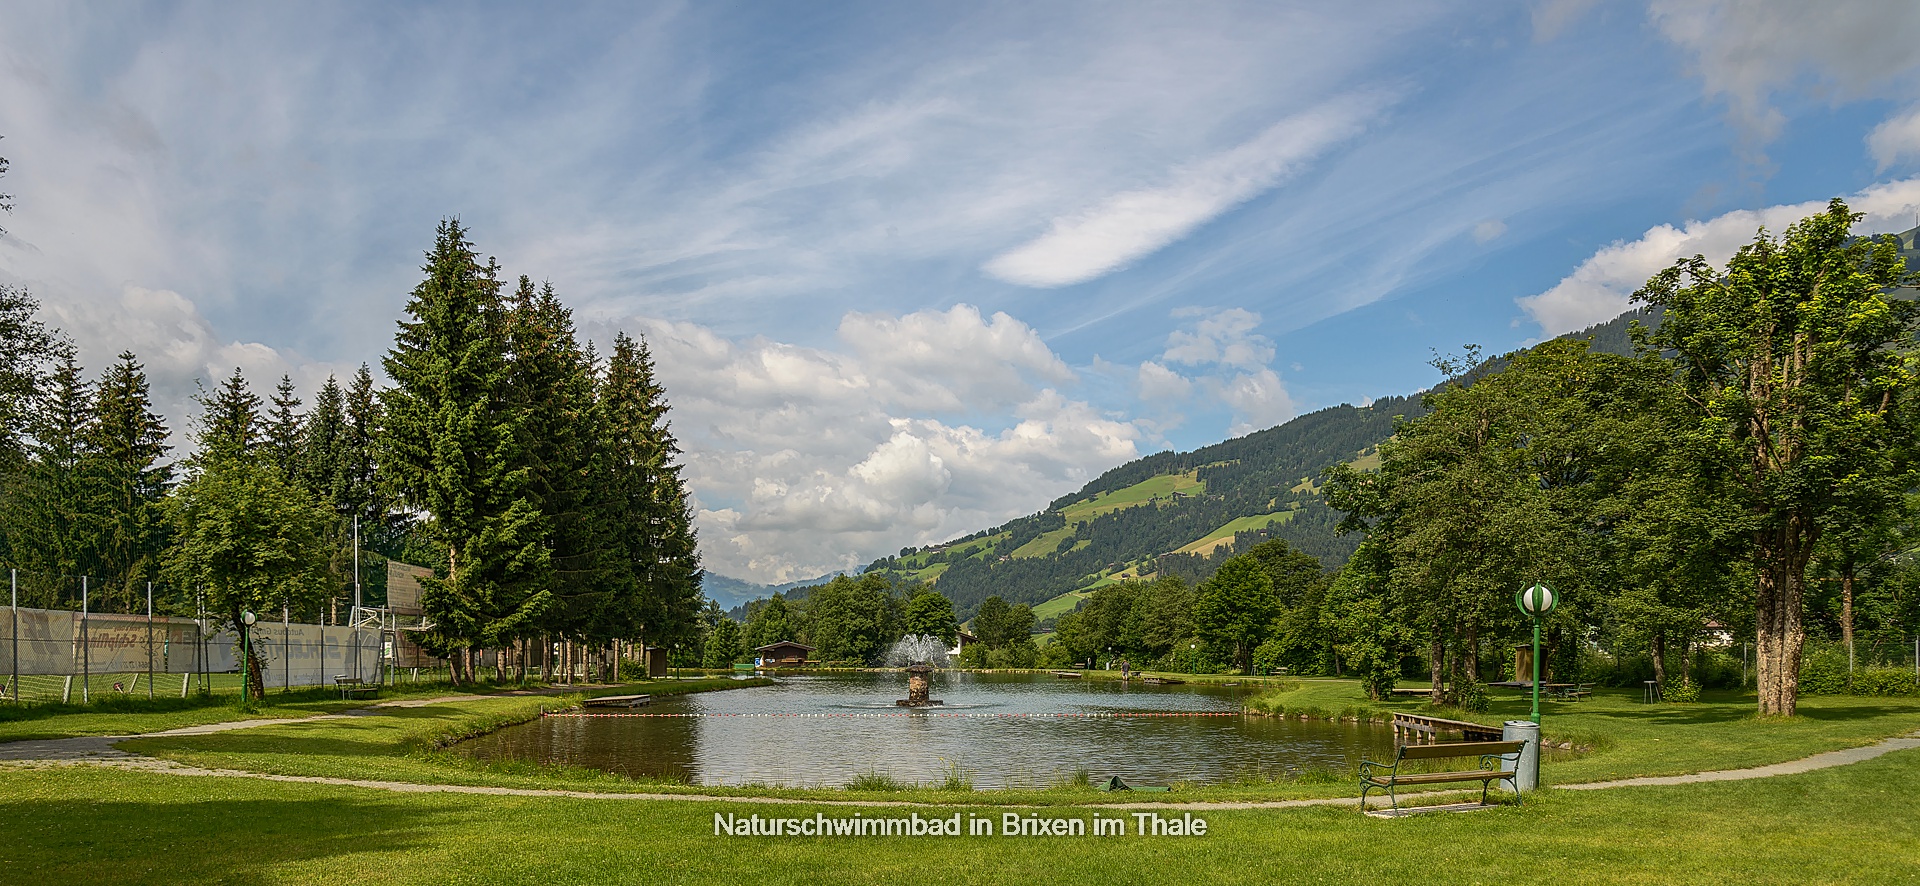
(149,641)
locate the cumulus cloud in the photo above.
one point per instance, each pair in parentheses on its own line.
(1135,223)
(805,460)
(1896,139)
(1156,382)
(1231,368)
(1224,337)
(1745,51)
(1601,287)
(1259,400)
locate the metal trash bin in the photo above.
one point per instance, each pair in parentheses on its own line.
(1528,776)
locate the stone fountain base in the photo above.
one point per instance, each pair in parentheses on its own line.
(919,686)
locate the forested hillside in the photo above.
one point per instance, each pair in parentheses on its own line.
(1182,513)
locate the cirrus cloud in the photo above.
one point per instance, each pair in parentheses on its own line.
(1135,223)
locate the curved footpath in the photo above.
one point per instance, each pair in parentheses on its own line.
(103,750)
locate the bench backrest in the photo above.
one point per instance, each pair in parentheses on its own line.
(1460,749)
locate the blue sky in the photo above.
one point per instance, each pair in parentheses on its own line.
(911,269)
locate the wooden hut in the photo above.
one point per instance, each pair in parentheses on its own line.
(784,654)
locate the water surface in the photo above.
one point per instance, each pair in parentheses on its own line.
(996,730)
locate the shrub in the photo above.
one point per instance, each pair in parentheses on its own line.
(1472,697)
(1885,681)
(1684,692)
(1717,670)
(1823,671)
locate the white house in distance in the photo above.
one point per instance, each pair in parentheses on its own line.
(960,643)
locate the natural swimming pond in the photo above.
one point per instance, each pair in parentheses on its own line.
(995,730)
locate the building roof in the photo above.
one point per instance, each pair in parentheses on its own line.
(783,644)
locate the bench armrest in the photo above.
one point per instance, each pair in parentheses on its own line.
(1368,768)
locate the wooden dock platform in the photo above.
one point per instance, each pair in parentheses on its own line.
(618,701)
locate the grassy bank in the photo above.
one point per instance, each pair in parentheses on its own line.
(127,715)
(1620,737)
(86,825)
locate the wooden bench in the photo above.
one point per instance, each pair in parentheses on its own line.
(351,686)
(1491,753)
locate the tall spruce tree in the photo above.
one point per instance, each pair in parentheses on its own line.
(654,551)
(323,445)
(126,479)
(551,384)
(282,431)
(47,521)
(452,442)
(28,349)
(229,421)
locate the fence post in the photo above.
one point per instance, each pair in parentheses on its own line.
(286,650)
(86,646)
(13,579)
(149,641)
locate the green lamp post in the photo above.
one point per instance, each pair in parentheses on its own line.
(1536,601)
(247,619)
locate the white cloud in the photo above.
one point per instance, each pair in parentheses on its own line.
(1489,230)
(1232,362)
(1259,401)
(1896,139)
(1156,382)
(804,460)
(1135,223)
(1601,287)
(1224,337)
(1746,50)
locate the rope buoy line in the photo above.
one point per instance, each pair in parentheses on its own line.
(947,715)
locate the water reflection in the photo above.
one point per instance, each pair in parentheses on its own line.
(996,729)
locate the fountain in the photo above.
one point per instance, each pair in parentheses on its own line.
(919,654)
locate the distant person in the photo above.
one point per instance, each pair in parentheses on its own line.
(1125,669)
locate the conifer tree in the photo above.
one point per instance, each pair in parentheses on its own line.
(323,446)
(126,479)
(652,543)
(359,488)
(229,421)
(451,443)
(283,429)
(551,385)
(48,531)
(27,349)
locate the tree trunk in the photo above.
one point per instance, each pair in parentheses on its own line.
(1779,601)
(1470,659)
(1659,652)
(1439,660)
(1846,620)
(1686,661)
(256,673)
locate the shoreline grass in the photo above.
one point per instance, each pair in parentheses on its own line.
(1776,830)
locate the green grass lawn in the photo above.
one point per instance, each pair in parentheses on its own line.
(86,825)
(1628,738)
(134,715)
(68,824)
